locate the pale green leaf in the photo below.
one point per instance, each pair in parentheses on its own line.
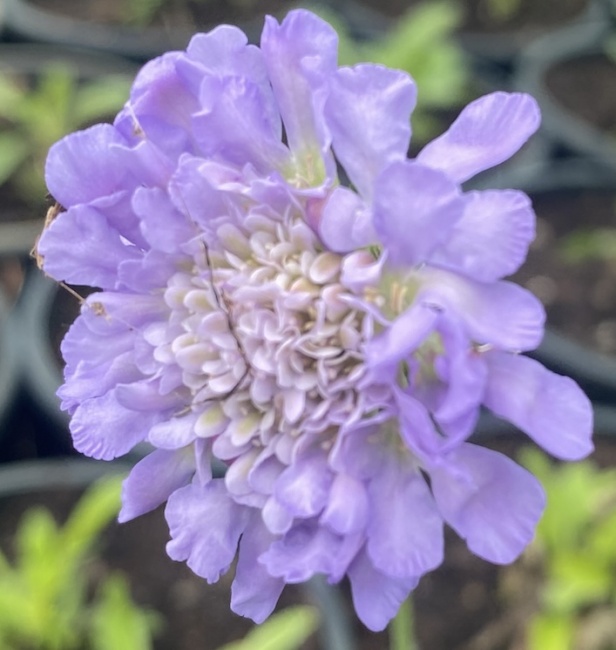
(286,630)
(574,581)
(117,622)
(14,150)
(96,509)
(551,632)
(100,99)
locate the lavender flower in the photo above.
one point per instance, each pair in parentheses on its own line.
(331,343)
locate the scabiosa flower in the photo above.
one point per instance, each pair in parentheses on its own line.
(282,289)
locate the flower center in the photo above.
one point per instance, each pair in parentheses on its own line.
(259,326)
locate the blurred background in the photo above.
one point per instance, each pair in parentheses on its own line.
(68,64)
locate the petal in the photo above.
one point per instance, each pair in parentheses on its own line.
(254,592)
(551,409)
(160,106)
(84,166)
(304,486)
(80,247)
(415,208)
(490,501)
(205,526)
(103,429)
(486,133)
(347,507)
(233,124)
(402,337)
(95,363)
(174,432)
(153,479)
(300,56)
(376,597)
(491,239)
(405,530)
(308,549)
(162,225)
(502,313)
(368,113)
(346,222)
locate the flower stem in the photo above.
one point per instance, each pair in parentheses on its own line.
(402,628)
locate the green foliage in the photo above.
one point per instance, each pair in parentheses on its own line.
(33,117)
(599,244)
(44,601)
(576,548)
(142,12)
(286,630)
(502,10)
(422,43)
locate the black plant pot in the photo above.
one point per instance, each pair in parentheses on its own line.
(27,20)
(568,131)
(9,362)
(39,317)
(505,47)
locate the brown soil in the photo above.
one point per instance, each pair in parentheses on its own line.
(483,15)
(587,87)
(194,14)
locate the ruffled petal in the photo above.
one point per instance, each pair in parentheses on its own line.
(103,429)
(153,479)
(85,165)
(403,336)
(415,208)
(501,313)
(551,409)
(491,239)
(303,487)
(486,133)
(405,530)
(345,222)
(347,507)
(163,226)
(205,526)
(376,596)
(368,113)
(300,56)
(490,501)
(233,124)
(254,592)
(308,549)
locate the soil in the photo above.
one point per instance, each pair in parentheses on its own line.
(193,14)
(586,86)
(483,16)
(579,296)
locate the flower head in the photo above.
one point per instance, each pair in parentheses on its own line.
(282,289)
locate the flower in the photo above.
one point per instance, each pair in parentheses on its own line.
(332,343)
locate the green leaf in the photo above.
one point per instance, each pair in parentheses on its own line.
(286,630)
(551,632)
(574,581)
(96,509)
(117,623)
(598,244)
(573,494)
(14,150)
(11,94)
(99,99)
